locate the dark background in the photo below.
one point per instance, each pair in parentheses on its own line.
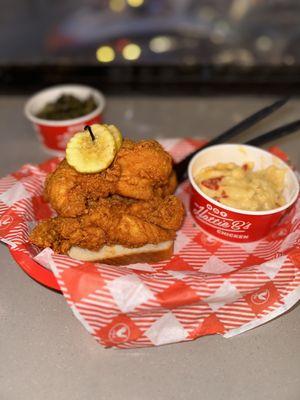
(151,46)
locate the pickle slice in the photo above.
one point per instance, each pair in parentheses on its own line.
(91,153)
(116,134)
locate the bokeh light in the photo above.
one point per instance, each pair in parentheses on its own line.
(206,13)
(117,5)
(289,59)
(264,43)
(131,51)
(135,3)
(105,54)
(161,44)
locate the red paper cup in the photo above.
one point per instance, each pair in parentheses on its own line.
(229,223)
(54,135)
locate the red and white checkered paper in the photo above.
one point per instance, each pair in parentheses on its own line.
(207,287)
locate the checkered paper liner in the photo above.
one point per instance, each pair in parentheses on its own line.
(207,287)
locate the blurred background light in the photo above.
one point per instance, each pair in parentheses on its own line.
(120,44)
(105,54)
(239,8)
(131,51)
(289,59)
(235,56)
(166,32)
(117,5)
(220,31)
(264,43)
(135,3)
(161,44)
(206,13)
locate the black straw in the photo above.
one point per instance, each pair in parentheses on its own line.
(248,122)
(276,133)
(88,128)
(181,167)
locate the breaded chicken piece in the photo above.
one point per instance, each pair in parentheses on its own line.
(144,167)
(113,220)
(140,171)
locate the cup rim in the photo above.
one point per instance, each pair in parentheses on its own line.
(99,97)
(232,209)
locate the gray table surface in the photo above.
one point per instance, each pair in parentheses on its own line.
(46,354)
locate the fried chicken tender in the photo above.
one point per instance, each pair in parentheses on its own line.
(113,220)
(140,171)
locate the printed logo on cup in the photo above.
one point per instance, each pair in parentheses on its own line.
(216,218)
(119,333)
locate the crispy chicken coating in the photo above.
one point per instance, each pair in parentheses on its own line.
(114,220)
(140,171)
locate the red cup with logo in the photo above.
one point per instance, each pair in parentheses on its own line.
(229,223)
(55,134)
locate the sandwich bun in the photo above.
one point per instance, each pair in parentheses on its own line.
(120,255)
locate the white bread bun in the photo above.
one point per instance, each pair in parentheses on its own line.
(120,255)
